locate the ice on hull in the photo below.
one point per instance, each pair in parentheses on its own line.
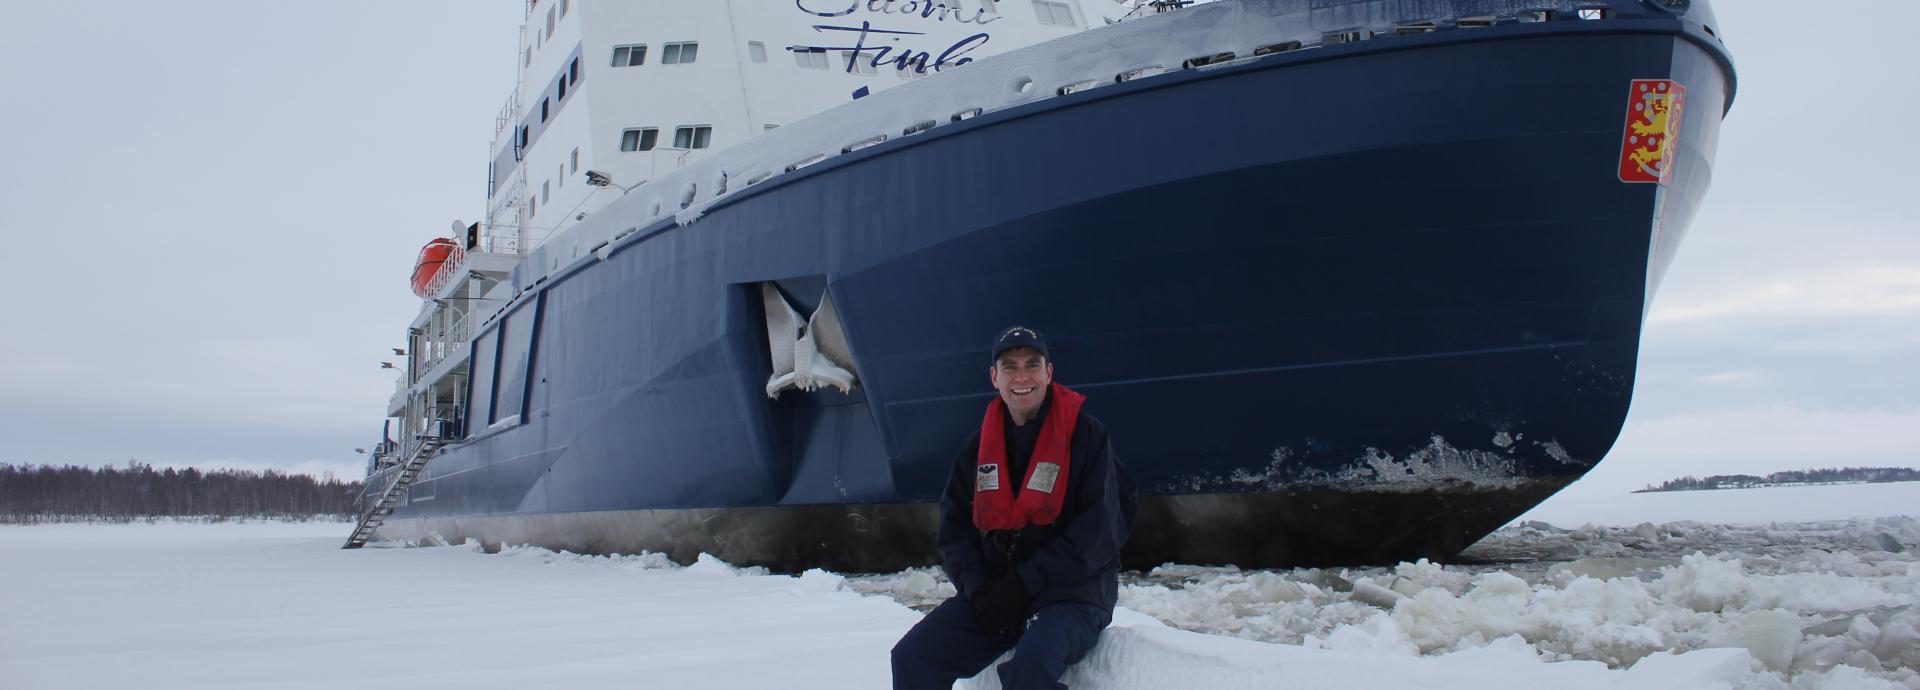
(1303,528)
(1344,310)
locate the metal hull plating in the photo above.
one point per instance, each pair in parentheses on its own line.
(1347,306)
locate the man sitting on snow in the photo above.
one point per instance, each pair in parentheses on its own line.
(1031,525)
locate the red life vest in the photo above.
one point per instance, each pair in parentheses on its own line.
(995,503)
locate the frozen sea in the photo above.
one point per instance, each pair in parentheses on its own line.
(1800,587)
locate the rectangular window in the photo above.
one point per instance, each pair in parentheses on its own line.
(480,407)
(563,176)
(810,58)
(1051,12)
(630,55)
(543,110)
(757,51)
(639,139)
(678,53)
(573,161)
(550,21)
(563,8)
(546,191)
(573,71)
(856,64)
(526,57)
(533,205)
(562,94)
(691,137)
(516,339)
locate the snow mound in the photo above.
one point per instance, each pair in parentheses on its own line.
(1805,605)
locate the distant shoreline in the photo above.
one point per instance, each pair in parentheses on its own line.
(1766,485)
(1825,476)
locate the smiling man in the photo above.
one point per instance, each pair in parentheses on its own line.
(1031,525)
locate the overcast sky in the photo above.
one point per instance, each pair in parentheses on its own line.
(213,208)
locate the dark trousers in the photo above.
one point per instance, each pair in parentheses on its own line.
(949,645)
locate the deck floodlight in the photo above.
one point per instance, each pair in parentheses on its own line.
(598,179)
(388,365)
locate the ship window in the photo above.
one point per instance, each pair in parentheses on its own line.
(678,53)
(639,139)
(550,16)
(516,335)
(563,8)
(1593,14)
(810,58)
(1051,12)
(757,51)
(533,204)
(480,409)
(573,71)
(855,65)
(630,56)
(543,109)
(526,57)
(691,137)
(563,175)
(546,191)
(562,93)
(573,162)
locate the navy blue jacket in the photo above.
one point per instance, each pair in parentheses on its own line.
(1075,559)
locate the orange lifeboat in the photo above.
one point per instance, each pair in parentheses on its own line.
(432,257)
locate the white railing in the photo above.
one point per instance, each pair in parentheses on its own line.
(454,265)
(442,343)
(506,117)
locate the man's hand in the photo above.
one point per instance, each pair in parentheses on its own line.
(1001,605)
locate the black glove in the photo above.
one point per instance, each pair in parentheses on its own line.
(1001,605)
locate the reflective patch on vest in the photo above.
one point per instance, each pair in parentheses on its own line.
(986,478)
(1043,477)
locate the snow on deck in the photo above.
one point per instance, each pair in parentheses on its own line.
(1807,605)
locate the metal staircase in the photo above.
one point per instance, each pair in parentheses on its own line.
(396,487)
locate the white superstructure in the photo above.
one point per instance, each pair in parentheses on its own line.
(635,89)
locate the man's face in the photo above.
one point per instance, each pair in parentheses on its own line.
(1021,375)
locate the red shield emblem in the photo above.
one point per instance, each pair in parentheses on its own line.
(1647,147)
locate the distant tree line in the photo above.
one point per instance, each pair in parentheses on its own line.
(1831,475)
(44,493)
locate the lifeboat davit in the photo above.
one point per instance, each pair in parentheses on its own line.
(432,257)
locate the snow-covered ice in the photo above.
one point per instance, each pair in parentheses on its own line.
(1681,604)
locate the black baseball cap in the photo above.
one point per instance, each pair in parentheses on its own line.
(1019,336)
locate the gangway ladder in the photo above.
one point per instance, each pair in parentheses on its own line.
(396,487)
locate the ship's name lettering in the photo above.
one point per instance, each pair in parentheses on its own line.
(936,10)
(897,57)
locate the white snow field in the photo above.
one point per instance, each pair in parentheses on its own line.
(1810,605)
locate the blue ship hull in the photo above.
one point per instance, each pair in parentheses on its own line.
(1352,305)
